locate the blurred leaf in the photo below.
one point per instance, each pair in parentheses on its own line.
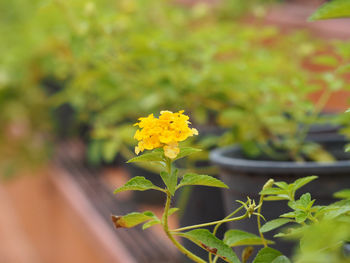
(273,224)
(132,219)
(267,255)
(111,148)
(273,191)
(332,9)
(303,181)
(281,259)
(343,194)
(154,156)
(301,216)
(206,240)
(172,211)
(241,238)
(138,183)
(151,223)
(200,179)
(185,151)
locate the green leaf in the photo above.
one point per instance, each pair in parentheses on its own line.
(150,223)
(292,232)
(173,210)
(282,185)
(267,255)
(273,224)
(110,149)
(138,183)
(155,156)
(281,259)
(343,194)
(185,151)
(235,237)
(201,179)
(276,197)
(170,180)
(132,219)
(273,191)
(303,181)
(206,240)
(333,9)
(300,216)
(289,215)
(337,212)
(305,199)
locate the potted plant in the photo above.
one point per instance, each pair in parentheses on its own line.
(274,142)
(164,135)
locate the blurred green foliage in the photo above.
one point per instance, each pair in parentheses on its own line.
(322,232)
(113,61)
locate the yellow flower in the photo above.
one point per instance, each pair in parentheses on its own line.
(165,131)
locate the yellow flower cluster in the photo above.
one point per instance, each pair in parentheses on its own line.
(166,131)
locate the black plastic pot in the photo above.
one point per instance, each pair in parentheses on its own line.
(246,177)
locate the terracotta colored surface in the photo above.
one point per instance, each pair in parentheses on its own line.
(36,225)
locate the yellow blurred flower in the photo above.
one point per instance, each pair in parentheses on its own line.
(166,131)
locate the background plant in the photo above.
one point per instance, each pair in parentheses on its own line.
(110,61)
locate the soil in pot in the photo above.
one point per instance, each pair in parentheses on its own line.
(246,177)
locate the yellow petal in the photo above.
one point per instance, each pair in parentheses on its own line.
(194,131)
(171,150)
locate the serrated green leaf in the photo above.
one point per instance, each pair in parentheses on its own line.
(132,219)
(343,194)
(205,239)
(300,216)
(305,199)
(235,237)
(267,255)
(138,183)
(289,215)
(303,181)
(150,223)
(170,180)
(185,151)
(282,185)
(281,259)
(273,224)
(332,9)
(173,210)
(155,156)
(201,179)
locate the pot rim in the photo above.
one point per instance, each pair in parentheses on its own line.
(219,157)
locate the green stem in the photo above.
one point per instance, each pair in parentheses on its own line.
(218,225)
(171,237)
(166,226)
(259,222)
(211,223)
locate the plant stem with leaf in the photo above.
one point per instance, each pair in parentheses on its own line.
(219,224)
(259,222)
(166,225)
